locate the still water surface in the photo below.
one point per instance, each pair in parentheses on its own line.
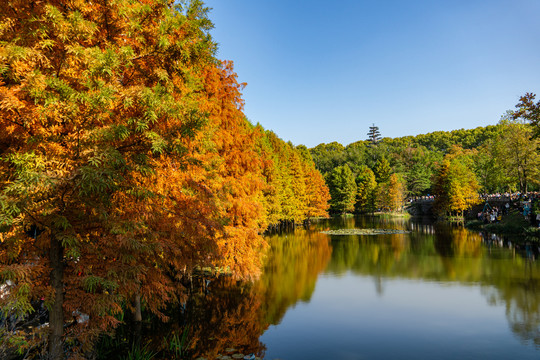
(437,292)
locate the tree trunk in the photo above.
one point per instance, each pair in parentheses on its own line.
(521,181)
(138,314)
(56,316)
(137,329)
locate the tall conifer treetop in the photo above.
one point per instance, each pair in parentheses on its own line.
(374,136)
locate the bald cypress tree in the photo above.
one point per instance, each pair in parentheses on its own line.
(97,97)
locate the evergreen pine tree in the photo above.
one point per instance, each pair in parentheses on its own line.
(374,136)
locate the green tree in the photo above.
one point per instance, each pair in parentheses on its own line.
(528,110)
(418,179)
(342,190)
(516,154)
(374,135)
(382,170)
(488,165)
(328,156)
(355,156)
(366,194)
(417,166)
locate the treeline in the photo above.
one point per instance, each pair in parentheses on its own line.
(456,166)
(126,162)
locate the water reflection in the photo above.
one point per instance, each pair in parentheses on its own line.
(293,264)
(304,264)
(232,314)
(228,316)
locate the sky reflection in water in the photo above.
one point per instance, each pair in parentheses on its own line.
(439,292)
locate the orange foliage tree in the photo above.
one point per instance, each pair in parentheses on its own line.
(126,161)
(233,171)
(98,101)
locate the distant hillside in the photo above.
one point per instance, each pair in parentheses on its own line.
(400,151)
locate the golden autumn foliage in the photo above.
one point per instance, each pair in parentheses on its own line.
(126,162)
(294,190)
(233,172)
(455,184)
(391,194)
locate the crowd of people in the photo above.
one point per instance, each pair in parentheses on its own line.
(526,204)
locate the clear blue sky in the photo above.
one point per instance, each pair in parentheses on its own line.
(323,71)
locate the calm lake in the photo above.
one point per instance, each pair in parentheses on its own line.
(439,291)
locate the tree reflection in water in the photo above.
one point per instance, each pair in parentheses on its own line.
(293,264)
(523,310)
(442,252)
(228,316)
(234,314)
(519,292)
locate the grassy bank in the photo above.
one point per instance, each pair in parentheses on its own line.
(511,224)
(403,214)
